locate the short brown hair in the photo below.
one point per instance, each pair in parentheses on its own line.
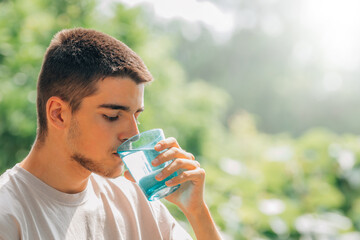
(75,61)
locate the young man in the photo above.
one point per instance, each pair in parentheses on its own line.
(90,94)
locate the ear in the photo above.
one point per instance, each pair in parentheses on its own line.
(57,112)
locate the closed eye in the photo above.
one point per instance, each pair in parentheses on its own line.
(110,119)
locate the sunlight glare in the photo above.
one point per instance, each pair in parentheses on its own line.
(332,82)
(336,25)
(191,11)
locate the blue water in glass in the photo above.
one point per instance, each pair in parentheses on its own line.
(152,188)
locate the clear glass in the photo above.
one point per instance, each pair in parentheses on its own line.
(137,153)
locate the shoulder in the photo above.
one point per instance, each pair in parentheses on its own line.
(14,192)
(9,190)
(9,205)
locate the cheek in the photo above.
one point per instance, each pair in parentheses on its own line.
(94,145)
(99,136)
(95,137)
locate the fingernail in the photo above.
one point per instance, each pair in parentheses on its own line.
(157,146)
(155,162)
(159,176)
(169,182)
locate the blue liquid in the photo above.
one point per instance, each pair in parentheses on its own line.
(152,188)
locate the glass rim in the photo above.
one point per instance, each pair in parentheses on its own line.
(137,136)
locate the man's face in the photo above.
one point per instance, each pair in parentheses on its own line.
(103,121)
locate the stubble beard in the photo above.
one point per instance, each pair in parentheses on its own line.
(86,162)
(89,164)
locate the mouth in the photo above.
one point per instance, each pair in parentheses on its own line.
(116,155)
(118,159)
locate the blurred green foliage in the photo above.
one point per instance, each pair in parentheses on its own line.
(258,186)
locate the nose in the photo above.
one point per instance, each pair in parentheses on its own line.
(131,129)
(135,127)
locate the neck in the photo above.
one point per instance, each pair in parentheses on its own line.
(51,164)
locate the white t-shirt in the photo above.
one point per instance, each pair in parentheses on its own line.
(106,209)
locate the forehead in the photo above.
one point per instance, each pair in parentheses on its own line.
(118,90)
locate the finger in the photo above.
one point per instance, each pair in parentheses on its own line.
(128,176)
(167,143)
(170,154)
(197,176)
(177,164)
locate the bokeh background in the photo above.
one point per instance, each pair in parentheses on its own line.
(265,93)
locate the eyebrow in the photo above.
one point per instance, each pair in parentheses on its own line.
(119,107)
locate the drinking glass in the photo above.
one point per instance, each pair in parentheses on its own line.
(137,153)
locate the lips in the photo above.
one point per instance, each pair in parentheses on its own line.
(117,155)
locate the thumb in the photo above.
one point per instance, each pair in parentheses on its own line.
(128,176)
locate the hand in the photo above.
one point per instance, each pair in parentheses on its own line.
(190,196)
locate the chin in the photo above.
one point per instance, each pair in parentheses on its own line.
(115,172)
